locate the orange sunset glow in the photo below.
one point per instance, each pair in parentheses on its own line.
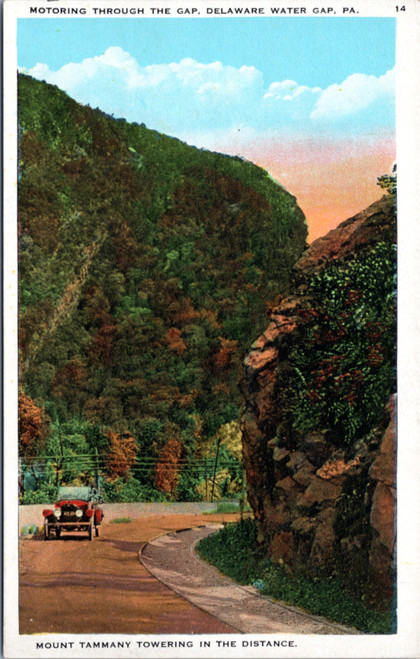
(332,179)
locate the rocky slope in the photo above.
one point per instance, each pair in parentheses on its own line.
(323,503)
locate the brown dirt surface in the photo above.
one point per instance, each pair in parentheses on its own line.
(75,586)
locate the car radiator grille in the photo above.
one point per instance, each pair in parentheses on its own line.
(68,514)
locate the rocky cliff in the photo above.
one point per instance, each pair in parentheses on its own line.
(319,444)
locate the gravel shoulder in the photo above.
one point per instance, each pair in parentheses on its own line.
(172,559)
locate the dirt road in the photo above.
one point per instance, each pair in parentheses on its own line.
(76,586)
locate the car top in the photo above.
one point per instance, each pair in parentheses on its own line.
(75,493)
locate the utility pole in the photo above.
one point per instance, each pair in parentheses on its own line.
(97,468)
(243,495)
(21,478)
(215,467)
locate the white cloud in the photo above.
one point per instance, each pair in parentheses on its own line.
(288,90)
(279,89)
(39,71)
(356,93)
(118,58)
(190,97)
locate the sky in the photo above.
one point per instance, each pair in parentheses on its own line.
(309,99)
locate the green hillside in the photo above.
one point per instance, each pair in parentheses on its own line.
(146,267)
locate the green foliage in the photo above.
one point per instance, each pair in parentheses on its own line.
(121,520)
(345,364)
(120,491)
(235,552)
(187,486)
(388,182)
(30,530)
(226,507)
(66,449)
(46,493)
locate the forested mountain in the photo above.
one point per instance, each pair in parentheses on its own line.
(146,270)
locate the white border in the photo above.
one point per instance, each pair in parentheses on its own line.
(406,643)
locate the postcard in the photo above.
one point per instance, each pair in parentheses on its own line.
(211,320)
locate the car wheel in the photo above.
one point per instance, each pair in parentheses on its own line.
(46,530)
(90,530)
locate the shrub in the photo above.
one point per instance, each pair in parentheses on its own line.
(234,551)
(46,493)
(345,365)
(119,491)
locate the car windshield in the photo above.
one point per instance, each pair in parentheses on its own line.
(81,493)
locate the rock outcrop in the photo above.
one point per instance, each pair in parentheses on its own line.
(320,507)
(374,224)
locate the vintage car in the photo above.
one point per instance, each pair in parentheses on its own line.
(77,509)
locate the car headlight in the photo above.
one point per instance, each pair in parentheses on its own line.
(57,512)
(79,513)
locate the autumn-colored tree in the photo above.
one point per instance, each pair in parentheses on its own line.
(230,436)
(101,347)
(32,427)
(225,354)
(175,341)
(185,312)
(96,307)
(125,245)
(121,455)
(69,378)
(167,469)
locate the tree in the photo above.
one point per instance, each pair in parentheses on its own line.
(388,182)
(167,469)
(122,454)
(33,429)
